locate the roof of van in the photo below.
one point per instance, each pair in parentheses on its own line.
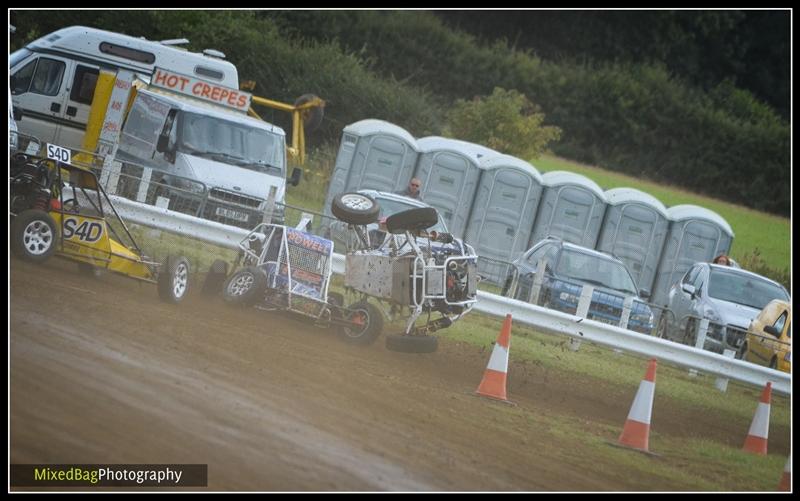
(688,211)
(84,41)
(187,103)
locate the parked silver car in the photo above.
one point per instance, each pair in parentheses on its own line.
(730,298)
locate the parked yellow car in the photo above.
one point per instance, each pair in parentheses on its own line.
(769,338)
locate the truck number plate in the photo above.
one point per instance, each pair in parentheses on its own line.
(232,214)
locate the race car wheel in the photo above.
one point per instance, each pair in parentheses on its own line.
(355,208)
(421,218)
(215,278)
(367,323)
(173,279)
(412,344)
(33,235)
(245,287)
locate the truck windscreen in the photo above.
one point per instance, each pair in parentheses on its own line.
(231,142)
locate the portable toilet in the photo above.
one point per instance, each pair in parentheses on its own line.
(695,234)
(502,214)
(572,209)
(634,230)
(374,155)
(449,170)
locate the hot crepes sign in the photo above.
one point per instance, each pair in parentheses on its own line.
(201,89)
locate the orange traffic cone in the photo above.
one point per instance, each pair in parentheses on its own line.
(636,432)
(756,441)
(493,384)
(786,479)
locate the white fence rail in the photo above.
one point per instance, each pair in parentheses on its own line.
(542,319)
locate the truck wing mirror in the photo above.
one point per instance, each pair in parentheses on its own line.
(162,145)
(296,175)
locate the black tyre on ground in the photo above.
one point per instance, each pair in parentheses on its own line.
(312,117)
(245,287)
(367,322)
(355,208)
(215,278)
(412,344)
(33,235)
(421,218)
(173,279)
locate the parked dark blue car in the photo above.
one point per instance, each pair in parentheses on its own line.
(568,268)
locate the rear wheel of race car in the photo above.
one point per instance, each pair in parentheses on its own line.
(33,235)
(421,218)
(215,278)
(173,279)
(245,287)
(366,323)
(412,344)
(355,208)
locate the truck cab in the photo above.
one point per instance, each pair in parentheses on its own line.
(205,148)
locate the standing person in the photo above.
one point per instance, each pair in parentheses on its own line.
(413,188)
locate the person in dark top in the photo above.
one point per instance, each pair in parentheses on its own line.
(413,189)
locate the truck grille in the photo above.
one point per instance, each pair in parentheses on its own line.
(234,198)
(734,335)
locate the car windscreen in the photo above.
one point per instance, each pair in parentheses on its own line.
(594,270)
(743,289)
(231,142)
(390,207)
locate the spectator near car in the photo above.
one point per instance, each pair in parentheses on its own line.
(728,297)
(568,268)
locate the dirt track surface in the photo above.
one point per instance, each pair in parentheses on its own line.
(103,372)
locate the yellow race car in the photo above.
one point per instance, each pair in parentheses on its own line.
(61,209)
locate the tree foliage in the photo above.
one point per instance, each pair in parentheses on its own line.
(506,121)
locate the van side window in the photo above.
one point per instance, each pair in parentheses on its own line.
(208,72)
(83,84)
(48,76)
(22,78)
(127,53)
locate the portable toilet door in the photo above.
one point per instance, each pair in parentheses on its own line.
(449,171)
(572,209)
(502,214)
(373,154)
(695,234)
(634,230)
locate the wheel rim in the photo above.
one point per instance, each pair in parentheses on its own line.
(356,202)
(360,318)
(241,284)
(37,238)
(180,279)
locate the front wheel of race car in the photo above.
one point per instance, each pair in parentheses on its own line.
(173,279)
(366,323)
(245,287)
(412,344)
(355,208)
(33,235)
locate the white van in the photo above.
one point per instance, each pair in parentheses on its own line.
(53,79)
(202,146)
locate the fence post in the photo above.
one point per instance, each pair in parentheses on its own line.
(273,191)
(144,184)
(109,177)
(583,311)
(538,279)
(722,383)
(702,328)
